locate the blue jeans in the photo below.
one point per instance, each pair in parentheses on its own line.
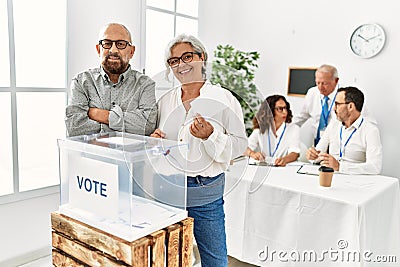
(209,218)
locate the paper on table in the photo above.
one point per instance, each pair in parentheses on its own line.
(269,161)
(295,163)
(119,140)
(309,169)
(209,103)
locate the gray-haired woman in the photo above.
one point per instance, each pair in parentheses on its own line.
(210,120)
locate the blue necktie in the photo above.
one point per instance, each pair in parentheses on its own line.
(323,119)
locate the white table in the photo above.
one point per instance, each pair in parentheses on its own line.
(290,213)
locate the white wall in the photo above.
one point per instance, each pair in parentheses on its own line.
(310,33)
(25,229)
(85,18)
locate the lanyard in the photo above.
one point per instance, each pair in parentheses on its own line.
(348,139)
(277,145)
(329,110)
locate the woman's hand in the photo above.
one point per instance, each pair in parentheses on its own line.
(257,156)
(280,162)
(201,128)
(158,134)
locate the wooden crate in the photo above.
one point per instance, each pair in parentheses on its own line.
(78,244)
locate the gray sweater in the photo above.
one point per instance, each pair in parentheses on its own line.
(131,103)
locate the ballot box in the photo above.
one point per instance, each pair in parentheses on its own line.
(124,184)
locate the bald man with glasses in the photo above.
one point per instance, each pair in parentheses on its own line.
(113,96)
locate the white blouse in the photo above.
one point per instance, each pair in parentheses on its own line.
(212,156)
(290,141)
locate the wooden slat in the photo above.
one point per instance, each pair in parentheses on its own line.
(158,248)
(140,252)
(173,243)
(105,242)
(62,260)
(78,244)
(186,242)
(81,252)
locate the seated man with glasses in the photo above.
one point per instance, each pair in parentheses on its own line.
(112,97)
(353,140)
(274,136)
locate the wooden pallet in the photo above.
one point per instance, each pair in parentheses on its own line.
(78,244)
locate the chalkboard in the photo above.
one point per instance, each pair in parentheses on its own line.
(300,80)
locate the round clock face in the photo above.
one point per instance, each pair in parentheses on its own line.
(367,40)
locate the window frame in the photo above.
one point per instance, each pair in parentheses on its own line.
(146,7)
(13,90)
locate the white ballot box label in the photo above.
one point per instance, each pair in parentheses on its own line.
(93,186)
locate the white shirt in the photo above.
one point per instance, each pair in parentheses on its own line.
(290,141)
(312,108)
(363,152)
(205,157)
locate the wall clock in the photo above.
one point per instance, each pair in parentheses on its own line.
(367,40)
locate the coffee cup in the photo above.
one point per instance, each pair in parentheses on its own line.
(325,176)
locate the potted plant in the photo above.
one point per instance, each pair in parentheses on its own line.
(234,70)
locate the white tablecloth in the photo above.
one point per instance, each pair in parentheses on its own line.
(276,217)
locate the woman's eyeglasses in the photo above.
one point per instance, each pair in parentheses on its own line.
(280,109)
(186,57)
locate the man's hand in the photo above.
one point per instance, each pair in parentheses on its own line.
(329,161)
(312,153)
(99,115)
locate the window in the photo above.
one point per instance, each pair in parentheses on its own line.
(33,94)
(6,164)
(4,52)
(164,20)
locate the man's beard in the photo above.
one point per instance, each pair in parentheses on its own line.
(114,67)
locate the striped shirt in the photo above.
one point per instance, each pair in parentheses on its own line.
(131,102)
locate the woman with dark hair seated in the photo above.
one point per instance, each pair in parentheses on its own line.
(274,138)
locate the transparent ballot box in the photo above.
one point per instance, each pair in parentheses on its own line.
(127,185)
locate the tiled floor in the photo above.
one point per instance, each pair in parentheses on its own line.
(232,262)
(46,262)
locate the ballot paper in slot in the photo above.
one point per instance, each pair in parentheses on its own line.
(210,103)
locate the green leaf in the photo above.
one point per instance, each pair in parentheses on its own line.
(239,83)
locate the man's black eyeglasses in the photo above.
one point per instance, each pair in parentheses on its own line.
(338,103)
(186,57)
(120,44)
